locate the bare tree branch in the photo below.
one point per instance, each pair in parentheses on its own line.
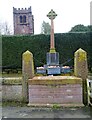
(5,29)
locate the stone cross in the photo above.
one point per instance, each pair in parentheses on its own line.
(51,15)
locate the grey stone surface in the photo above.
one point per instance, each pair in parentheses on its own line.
(29,112)
(12,92)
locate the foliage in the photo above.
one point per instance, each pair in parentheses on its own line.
(56,106)
(45,29)
(13,103)
(66,44)
(14,46)
(90,27)
(81,28)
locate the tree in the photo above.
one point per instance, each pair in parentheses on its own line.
(5,29)
(80,28)
(45,28)
(90,27)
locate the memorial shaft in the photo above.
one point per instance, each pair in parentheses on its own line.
(52,44)
(51,15)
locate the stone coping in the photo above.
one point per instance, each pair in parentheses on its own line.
(55,80)
(59,105)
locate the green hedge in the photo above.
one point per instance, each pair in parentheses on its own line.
(66,44)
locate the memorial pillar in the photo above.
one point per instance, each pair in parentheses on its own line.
(27,72)
(81,70)
(80,64)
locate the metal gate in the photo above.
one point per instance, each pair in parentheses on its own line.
(89,91)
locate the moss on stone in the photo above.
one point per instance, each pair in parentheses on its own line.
(12,82)
(52,50)
(54,81)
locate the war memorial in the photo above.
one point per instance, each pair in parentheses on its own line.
(54,88)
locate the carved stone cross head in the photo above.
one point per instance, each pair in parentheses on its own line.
(51,14)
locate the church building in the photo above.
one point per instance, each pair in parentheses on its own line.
(23,21)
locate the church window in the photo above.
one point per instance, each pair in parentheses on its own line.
(24,19)
(21,19)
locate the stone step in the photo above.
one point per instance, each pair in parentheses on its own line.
(54,80)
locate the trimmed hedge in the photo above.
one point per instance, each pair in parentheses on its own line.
(66,44)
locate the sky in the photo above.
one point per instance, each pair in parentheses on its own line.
(69,13)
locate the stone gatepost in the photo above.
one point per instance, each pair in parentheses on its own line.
(27,72)
(80,64)
(81,69)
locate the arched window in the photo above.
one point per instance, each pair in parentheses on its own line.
(24,19)
(21,19)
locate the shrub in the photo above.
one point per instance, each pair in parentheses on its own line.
(66,44)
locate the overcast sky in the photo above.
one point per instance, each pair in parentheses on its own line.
(70,12)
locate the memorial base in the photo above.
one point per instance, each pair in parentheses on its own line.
(45,90)
(53,70)
(52,58)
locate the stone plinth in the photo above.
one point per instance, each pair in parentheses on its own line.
(55,90)
(53,58)
(53,70)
